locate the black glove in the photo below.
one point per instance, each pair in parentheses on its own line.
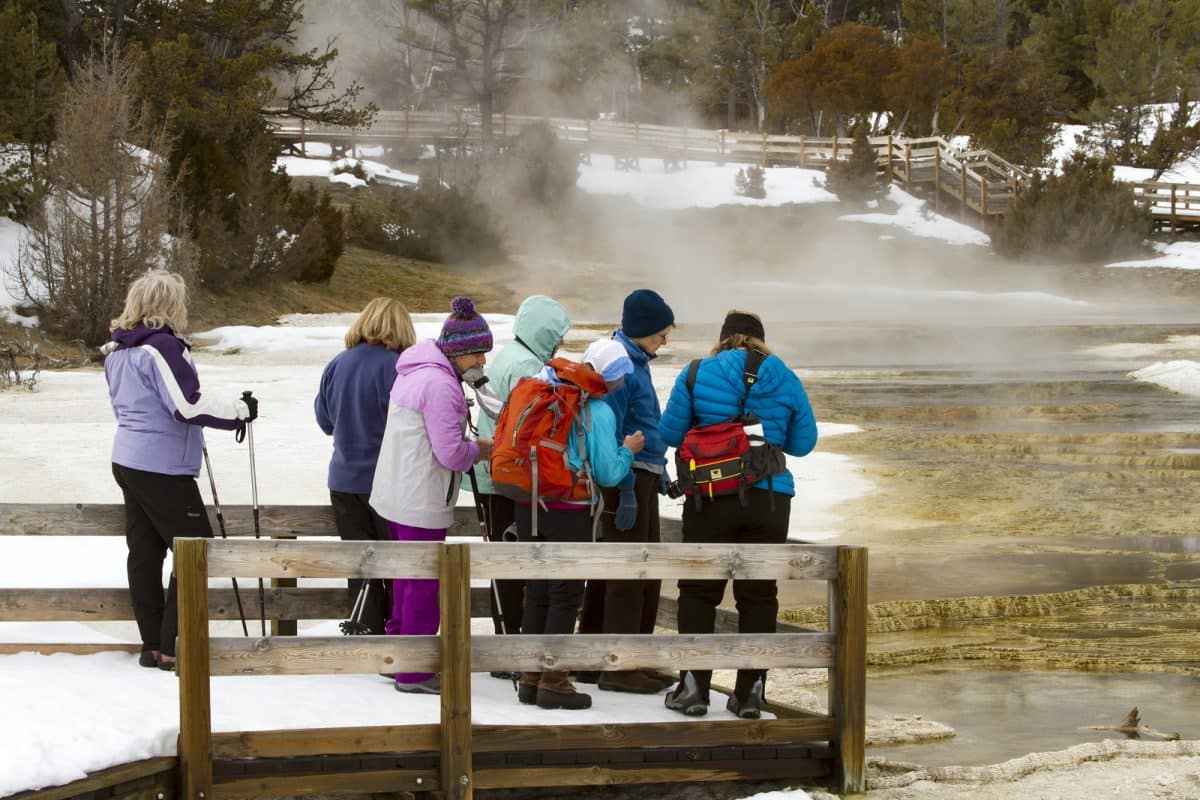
(251,406)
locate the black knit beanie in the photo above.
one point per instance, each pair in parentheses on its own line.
(743,323)
(644,313)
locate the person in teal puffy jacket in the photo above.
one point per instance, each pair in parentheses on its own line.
(778,399)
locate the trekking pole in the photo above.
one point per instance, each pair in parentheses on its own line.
(262,593)
(237,596)
(483,529)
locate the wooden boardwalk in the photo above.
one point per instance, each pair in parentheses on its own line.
(453,757)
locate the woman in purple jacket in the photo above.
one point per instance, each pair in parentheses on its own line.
(352,407)
(156,454)
(425,450)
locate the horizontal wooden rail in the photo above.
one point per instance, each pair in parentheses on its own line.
(313,655)
(517,561)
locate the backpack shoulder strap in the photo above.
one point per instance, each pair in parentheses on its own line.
(692,370)
(754,360)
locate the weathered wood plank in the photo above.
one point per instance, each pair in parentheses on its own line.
(165,767)
(454,604)
(668,772)
(697,733)
(332,783)
(108,519)
(505,738)
(323,655)
(195,720)
(61,604)
(517,561)
(84,605)
(326,741)
(848,678)
(75,648)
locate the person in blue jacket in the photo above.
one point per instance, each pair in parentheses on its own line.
(632,508)
(352,406)
(551,606)
(778,399)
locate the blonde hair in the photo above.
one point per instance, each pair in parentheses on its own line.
(384,321)
(157,299)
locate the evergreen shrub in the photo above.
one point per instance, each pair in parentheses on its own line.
(751,182)
(856,180)
(430,222)
(1083,215)
(538,168)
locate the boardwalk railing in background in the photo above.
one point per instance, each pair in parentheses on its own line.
(455,756)
(979,181)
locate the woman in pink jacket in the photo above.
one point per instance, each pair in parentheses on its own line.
(424,452)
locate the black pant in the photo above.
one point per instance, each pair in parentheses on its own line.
(157,509)
(726,520)
(357,522)
(551,606)
(626,606)
(500,512)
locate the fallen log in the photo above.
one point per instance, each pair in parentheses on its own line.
(1132,727)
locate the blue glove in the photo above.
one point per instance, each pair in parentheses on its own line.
(626,509)
(664,483)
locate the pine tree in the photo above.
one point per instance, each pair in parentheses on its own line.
(856,180)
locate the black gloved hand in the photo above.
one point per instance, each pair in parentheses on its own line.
(251,407)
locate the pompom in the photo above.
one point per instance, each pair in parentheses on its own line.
(462,306)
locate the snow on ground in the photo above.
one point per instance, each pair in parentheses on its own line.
(11,234)
(55,446)
(1182,377)
(912,215)
(1171,255)
(701,185)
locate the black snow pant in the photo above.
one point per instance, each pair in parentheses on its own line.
(626,606)
(499,512)
(357,522)
(726,520)
(551,606)
(158,508)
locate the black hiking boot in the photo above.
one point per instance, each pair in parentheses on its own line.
(751,706)
(687,699)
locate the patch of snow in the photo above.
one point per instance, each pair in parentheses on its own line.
(1171,255)
(912,215)
(1181,376)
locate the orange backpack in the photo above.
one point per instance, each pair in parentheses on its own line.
(530,448)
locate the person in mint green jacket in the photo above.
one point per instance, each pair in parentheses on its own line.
(538,329)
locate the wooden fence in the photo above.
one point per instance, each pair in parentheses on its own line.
(454,757)
(978,181)
(787,747)
(1172,206)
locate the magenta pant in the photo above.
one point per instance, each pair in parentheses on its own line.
(414,601)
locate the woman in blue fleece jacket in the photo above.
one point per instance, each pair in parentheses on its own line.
(778,399)
(352,407)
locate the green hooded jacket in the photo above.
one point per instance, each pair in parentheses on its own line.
(540,324)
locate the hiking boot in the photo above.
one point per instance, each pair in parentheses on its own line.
(555,691)
(668,679)
(634,680)
(505,676)
(586,676)
(687,699)
(166,662)
(431,685)
(751,706)
(527,687)
(148,658)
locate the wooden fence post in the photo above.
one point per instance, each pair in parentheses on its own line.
(937,179)
(454,597)
(763,157)
(685,147)
(835,147)
(962,191)
(1173,187)
(195,721)
(803,152)
(848,678)
(891,167)
(303,145)
(283,627)
(983,209)
(907,164)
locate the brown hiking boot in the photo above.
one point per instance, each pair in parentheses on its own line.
(556,691)
(527,687)
(634,680)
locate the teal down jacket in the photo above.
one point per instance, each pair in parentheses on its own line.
(777,398)
(540,324)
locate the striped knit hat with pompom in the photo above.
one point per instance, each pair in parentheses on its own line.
(464,331)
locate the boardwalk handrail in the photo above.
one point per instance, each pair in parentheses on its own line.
(455,653)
